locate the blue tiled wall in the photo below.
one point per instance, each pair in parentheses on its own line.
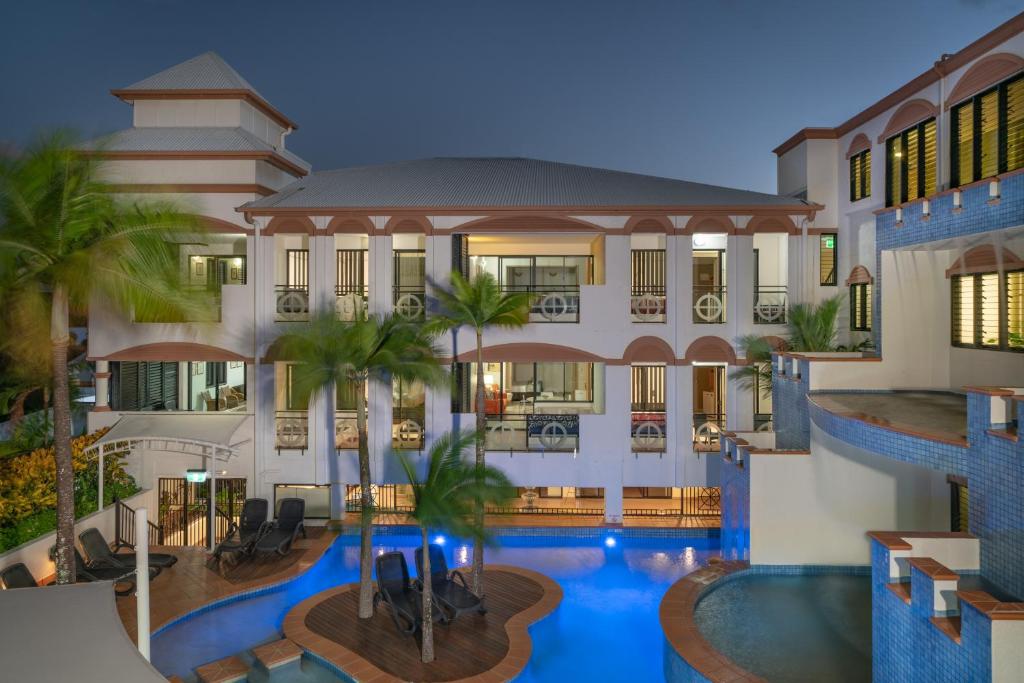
(789,406)
(908,647)
(735,505)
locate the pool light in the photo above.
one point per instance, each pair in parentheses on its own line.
(609,542)
(439,539)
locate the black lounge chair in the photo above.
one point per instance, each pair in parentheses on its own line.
(100,555)
(119,575)
(402,596)
(279,537)
(448,587)
(17,576)
(243,536)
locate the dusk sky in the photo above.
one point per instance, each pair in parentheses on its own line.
(695,90)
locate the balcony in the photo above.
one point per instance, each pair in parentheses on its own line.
(763,422)
(410,302)
(533,433)
(292,303)
(552,304)
(770,306)
(708,305)
(648,305)
(648,433)
(707,428)
(407,429)
(346,431)
(291,428)
(350,302)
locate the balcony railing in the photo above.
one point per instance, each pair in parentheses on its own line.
(346,431)
(407,428)
(292,303)
(648,432)
(410,302)
(707,428)
(770,306)
(552,304)
(648,305)
(350,302)
(763,422)
(708,305)
(550,433)
(291,429)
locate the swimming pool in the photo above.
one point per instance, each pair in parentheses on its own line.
(606,628)
(792,628)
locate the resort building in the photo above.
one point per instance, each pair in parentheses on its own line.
(609,402)
(909,461)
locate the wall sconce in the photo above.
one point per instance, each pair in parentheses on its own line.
(993,189)
(958,200)
(926,209)
(899,215)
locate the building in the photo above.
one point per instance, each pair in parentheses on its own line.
(609,401)
(908,463)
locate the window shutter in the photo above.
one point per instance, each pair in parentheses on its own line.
(1015,309)
(1015,124)
(460,254)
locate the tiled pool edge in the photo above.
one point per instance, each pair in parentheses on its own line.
(688,656)
(572,532)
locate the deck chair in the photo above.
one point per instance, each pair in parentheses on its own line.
(279,536)
(85,574)
(243,536)
(448,587)
(98,551)
(403,597)
(17,576)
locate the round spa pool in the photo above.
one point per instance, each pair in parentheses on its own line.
(792,628)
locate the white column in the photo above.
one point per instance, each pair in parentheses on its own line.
(613,500)
(102,386)
(681,298)
(739,405)
(682,435)
(142,580)
(380,276)
(739,265)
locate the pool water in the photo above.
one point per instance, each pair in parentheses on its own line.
(792,628)
(606,627)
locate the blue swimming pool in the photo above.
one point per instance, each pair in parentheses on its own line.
(606,628)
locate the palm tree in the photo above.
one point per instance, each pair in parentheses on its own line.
(64,237)
(329,352)
(810,327)
(479,304)
(446,498)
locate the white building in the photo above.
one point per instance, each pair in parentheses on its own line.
(615,389)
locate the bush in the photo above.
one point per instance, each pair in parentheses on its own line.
(28,489)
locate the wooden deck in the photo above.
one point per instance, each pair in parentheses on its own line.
(490,647)
(351,519)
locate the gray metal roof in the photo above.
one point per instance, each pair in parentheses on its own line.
(208,71)
(501,181)
(199,139)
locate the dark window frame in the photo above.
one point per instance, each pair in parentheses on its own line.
(956,178)
(863,191)
(860,320)
(978,337)
(922,189)
(831,279)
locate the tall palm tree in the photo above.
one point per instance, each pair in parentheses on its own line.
(64,237)
(446,498)
(329,352)
(479,304)
(809,327)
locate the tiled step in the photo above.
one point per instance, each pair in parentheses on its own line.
(227,670)
(902,590)
(277,653)
(949,626)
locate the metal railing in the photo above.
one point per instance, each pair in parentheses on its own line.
(291,429)
(552,304)
(350,302)
(346,431)
(763,422)
(291,303)
(407,428)
(707,427)
(695,501)
(124,527)
(357,506)
(770,306)
(410,302)
(539,433)
(708,305)
(648,432)
(648,305)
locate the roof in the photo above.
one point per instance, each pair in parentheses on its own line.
(204,76)
(469,182)
(80,622)
(215,430)
(190,139)
(944,66)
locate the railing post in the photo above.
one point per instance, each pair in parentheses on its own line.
(142,581)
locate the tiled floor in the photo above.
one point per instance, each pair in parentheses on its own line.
(935,414)
(194,581)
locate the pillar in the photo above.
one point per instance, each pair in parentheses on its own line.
(102,386)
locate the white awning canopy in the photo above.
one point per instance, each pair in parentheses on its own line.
(200,434)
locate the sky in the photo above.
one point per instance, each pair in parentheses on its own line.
(700,90)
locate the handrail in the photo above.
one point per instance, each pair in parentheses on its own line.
(124,527)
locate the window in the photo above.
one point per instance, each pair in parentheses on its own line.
(988,311)
(144,385)
(860,307)
(827,259)
(295,397)
(214,386)
(216,373)
(297,268)
(910,164)
(988,133)
(860,175)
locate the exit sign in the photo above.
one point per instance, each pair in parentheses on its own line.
(830,242)
(195,476)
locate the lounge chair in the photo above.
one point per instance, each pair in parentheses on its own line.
(448,587)
(119,575)
(17,576)
(279,537)
(243,536)
(402,596)
(100,555)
